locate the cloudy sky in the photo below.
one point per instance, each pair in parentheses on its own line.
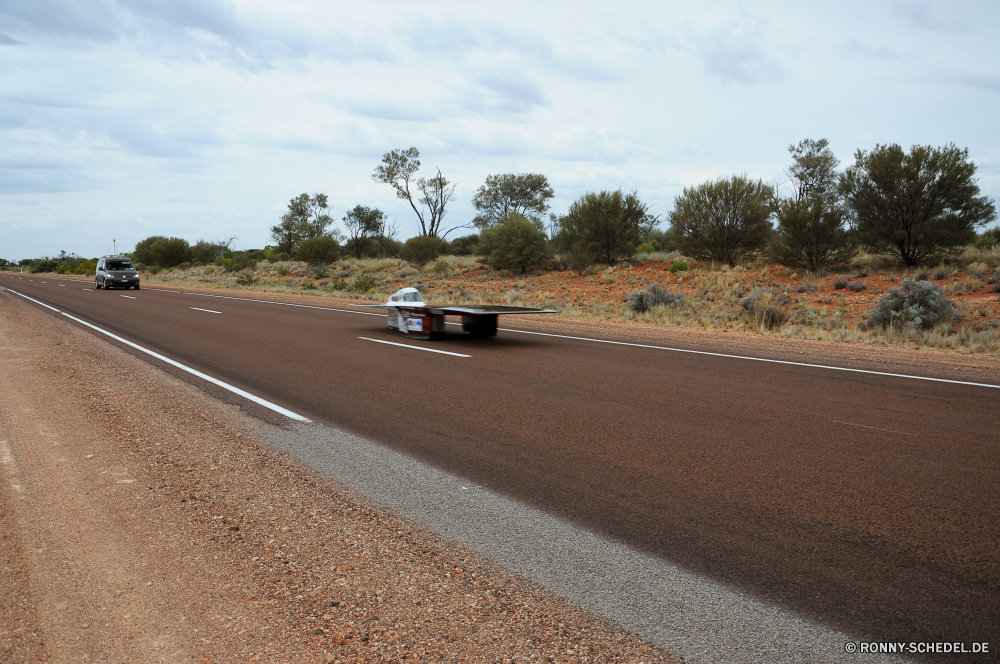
(201,118)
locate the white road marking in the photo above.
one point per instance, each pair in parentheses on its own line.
(623,343)
(429,350)
(208,310)
(757,359)
(283,304)
(62,285)
(128,296)
(865,426)
(215,381)
(86,289)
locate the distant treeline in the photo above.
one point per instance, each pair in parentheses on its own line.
(911,206)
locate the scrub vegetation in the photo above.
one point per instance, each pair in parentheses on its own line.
(892,250)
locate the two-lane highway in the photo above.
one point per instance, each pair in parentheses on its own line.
(864,500)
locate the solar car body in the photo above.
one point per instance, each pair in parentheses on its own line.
(408,313)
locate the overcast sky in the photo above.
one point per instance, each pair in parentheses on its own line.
(202,118)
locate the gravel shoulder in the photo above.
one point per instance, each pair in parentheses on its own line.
(143,520)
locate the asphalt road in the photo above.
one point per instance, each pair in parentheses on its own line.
(867,502)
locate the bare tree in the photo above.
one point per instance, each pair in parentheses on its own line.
(225,243)
(397,169)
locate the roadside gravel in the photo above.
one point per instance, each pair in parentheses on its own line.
(143,520)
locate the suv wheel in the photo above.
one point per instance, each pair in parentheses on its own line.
(97,284)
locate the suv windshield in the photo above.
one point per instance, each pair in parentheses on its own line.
(120,265)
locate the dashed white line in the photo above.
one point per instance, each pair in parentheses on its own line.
(429,350)
(86,289)
(215,381)
(865,426)
(623,343)
(208,310)
(128,296)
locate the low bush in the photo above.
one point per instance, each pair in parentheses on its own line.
(363,283)
(914,304)
(407,271)
(320,272)
(580,257)
(247,278)
(856,286)
(655,295)
(765,309)
(678,266)
(422,249)
(841,283)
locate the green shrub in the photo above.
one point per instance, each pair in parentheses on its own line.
(339,285)
(363,283)
(914,304)
(321,250)
(283,270)
(516,243)
(608,224)
(209,270)
(309,286)
(155,269)
(320,272)
(227,264)
(724,220)
(580,257)
(810,234)
(467,245)
(165,251)
(422,249)
(441,268)
(645,248)
(678,266)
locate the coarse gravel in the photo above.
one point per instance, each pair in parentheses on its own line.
(691,617)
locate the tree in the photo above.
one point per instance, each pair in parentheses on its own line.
(397,169)
(725,219)
(204,251)
(605,225)
(286,234)
(311,215)
(363,223)
(306,218)
(811,231)
(516,242)
(810,234)
(526,194)
(321,250)
(915,204)
(814,170)
(163,251)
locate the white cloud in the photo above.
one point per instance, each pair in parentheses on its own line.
(202,118)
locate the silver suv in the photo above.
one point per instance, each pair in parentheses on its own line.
(114,271)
